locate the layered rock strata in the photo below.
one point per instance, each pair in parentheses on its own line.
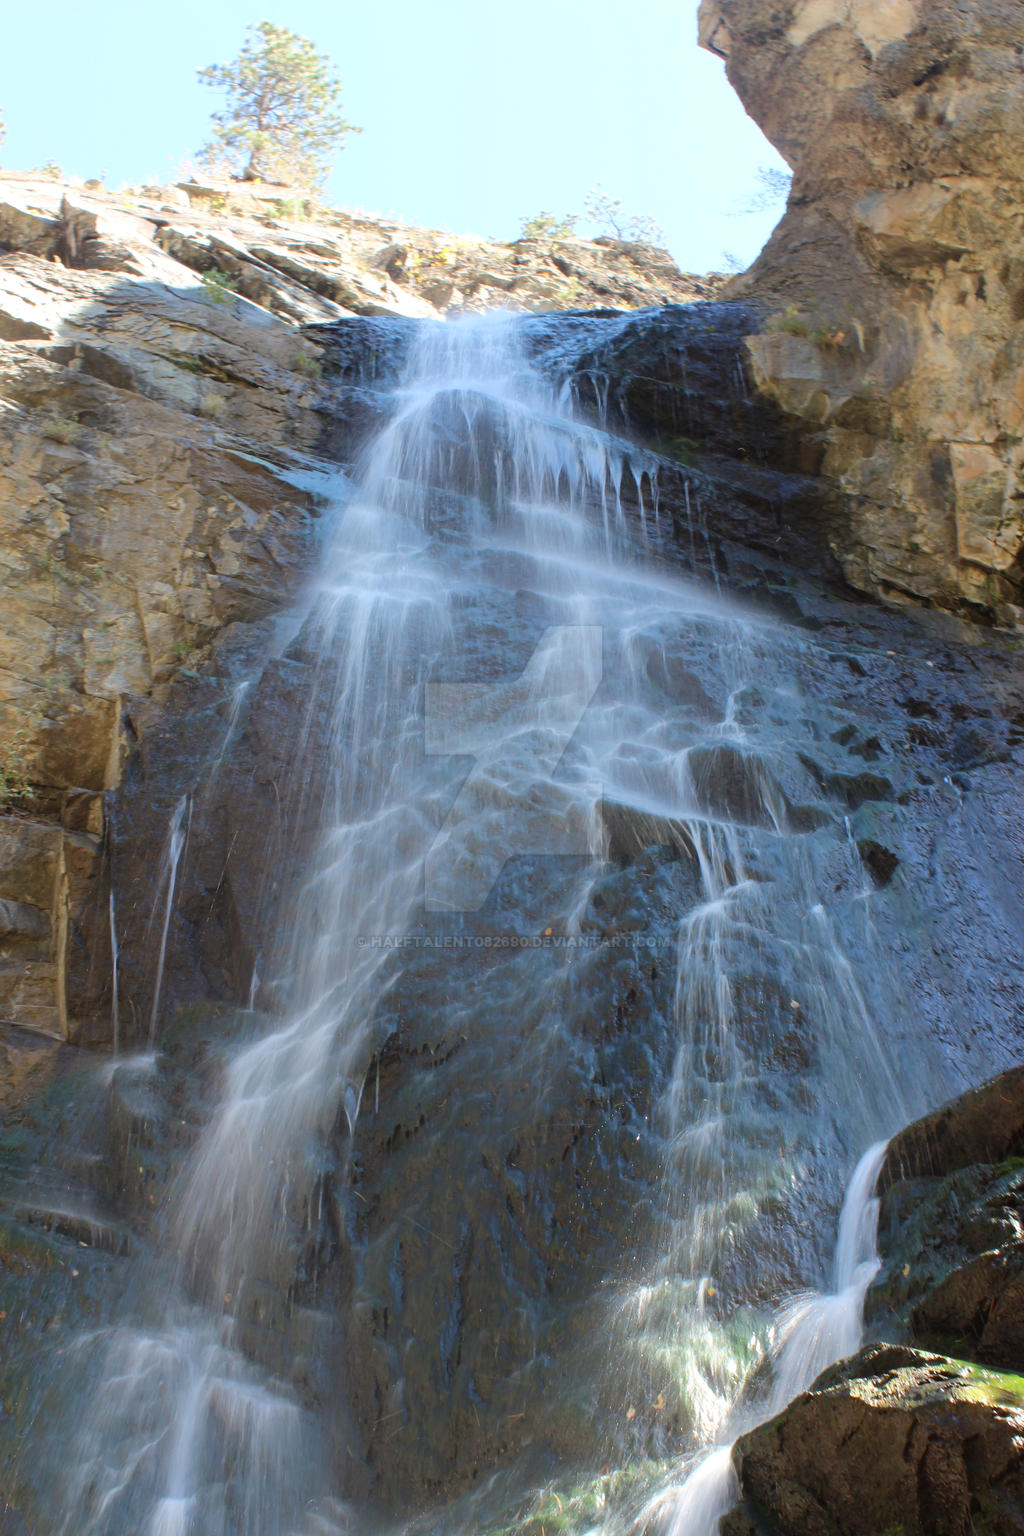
(164,419)
(892,292)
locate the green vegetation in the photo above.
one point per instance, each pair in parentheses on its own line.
(60,427)
(830,336)
(606,213)
(294,208)
(218,287)
(547,226)
(570,1509)
(791,322)
(312,367)
(997,1388)
(16,761)
(686,450)
(283,120)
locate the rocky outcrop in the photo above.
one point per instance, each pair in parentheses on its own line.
(893,1440)
(736,476)
(900,1437)
(952,1229)
(150,449)
(163,412)
(308,263)
(892,292)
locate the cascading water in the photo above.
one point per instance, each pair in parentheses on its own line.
(522,699)
(811,1333)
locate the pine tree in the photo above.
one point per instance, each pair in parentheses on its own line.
(283,120)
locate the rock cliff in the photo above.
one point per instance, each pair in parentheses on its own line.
(893,289)
(179,405)
(163,412)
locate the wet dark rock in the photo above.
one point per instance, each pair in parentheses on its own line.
(515,1250)
(880,863)
(894,1439)
(952,1228)
(481,1264)
(985,1125)
(630,832)
(366,353)
(676,379)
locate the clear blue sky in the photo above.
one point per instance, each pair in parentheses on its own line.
(474,115)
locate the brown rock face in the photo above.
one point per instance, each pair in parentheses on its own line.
(137,522)
(894,286)
(983,1126)
(163,410)
(893,1440)
(950,1229)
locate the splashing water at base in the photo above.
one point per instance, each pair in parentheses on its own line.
(815,1331)
(811,1333)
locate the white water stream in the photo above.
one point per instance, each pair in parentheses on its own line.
(812,1332)
(482,489)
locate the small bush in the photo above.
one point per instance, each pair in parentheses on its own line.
(607,213)
(790,323)
(60,428)
(15,762)
(218,287)
(686,450)
(547,226)
(214,406)
(293,208)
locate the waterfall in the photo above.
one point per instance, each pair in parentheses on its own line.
(814,1331)
(811,1333)
(523,697)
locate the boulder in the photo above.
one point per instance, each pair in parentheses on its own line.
(951,1224)
(984,1125)
(892,1440)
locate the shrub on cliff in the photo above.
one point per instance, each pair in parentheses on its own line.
(547,226)
(607,213)
(283,119)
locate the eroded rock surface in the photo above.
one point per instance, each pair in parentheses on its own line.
(893,289)
(141,513)
(952,1228)
(893,1440)
(899,1438)
(163,417)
